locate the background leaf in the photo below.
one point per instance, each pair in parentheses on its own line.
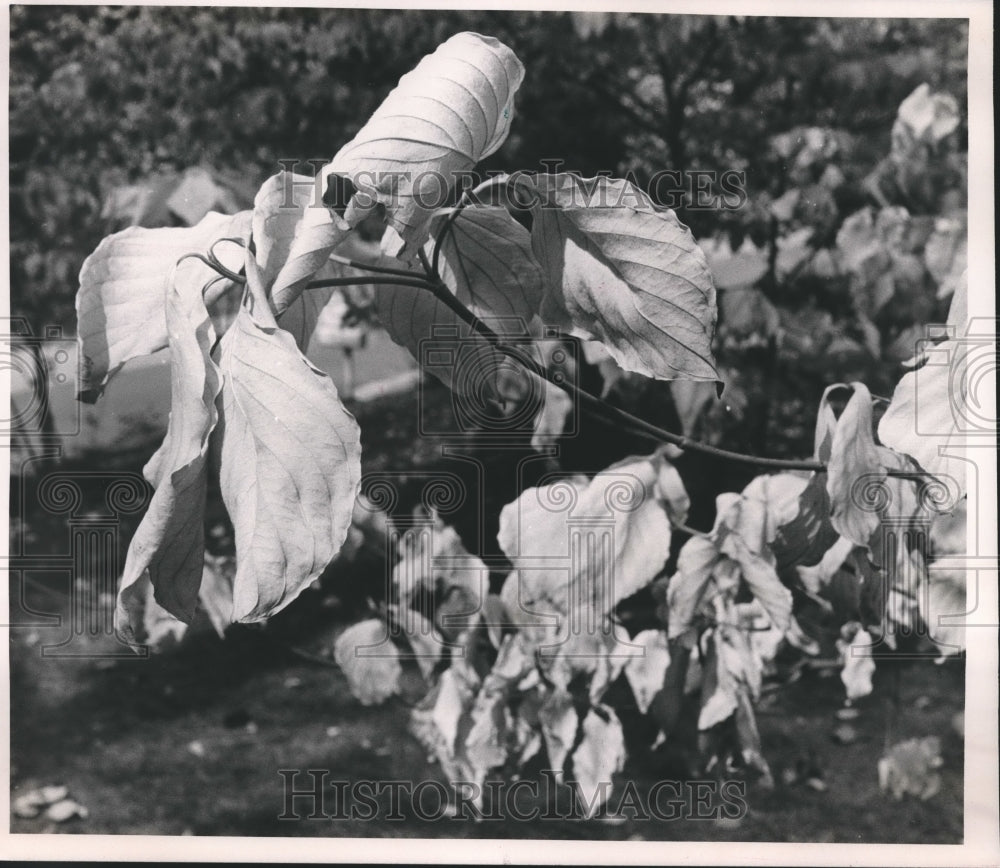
(372,679)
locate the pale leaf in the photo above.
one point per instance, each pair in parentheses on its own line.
(120,304)
(294,234)
(559,721)
(369,660)
(452,110)
(624,274)
(857,661)
(690,583)
(600,754)
(645,673)
(169,543)
(290,460)
(855,465)
(944,608)
(923,417)
(551,419)
(627,532)
(910,768)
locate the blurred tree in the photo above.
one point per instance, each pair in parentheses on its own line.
(102,97)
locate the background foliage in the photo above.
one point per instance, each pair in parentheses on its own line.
(105,96)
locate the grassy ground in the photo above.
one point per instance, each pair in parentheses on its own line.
(191,741)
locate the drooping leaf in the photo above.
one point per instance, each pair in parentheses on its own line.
(426,643)
(120,304)
(599,755)
(168,546)
(369,660)
(294,234)
(688,586)
(690,399)
(719,690)
(670,490)
(857,661)
(748,734)
(486,260)
(804,538)
(855,467)
(289,460)
(645,673)
(761,577)
(551,420)
(624,546)
(944,607)
(434,561)
(923,417)
(559,721)
(817,576)
(452,110)
(622,273)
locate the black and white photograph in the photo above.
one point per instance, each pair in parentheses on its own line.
(556,435)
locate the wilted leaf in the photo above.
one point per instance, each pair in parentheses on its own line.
(804,538)
(600,754)
(120,304)
(624,274)
(688,586)
(452,110)
(168,546)
(161,629)
(749,736)
(928,116)
(625,545)
(855,463)
(551,420)
(645,673)
(435,561)
(369,660)
(670,490)
(289,460)
(817,576)
(559,721)
(944,608)
(910,768)
(719,689)
(294,234)
(858,663)
(922,419)
(762,579)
